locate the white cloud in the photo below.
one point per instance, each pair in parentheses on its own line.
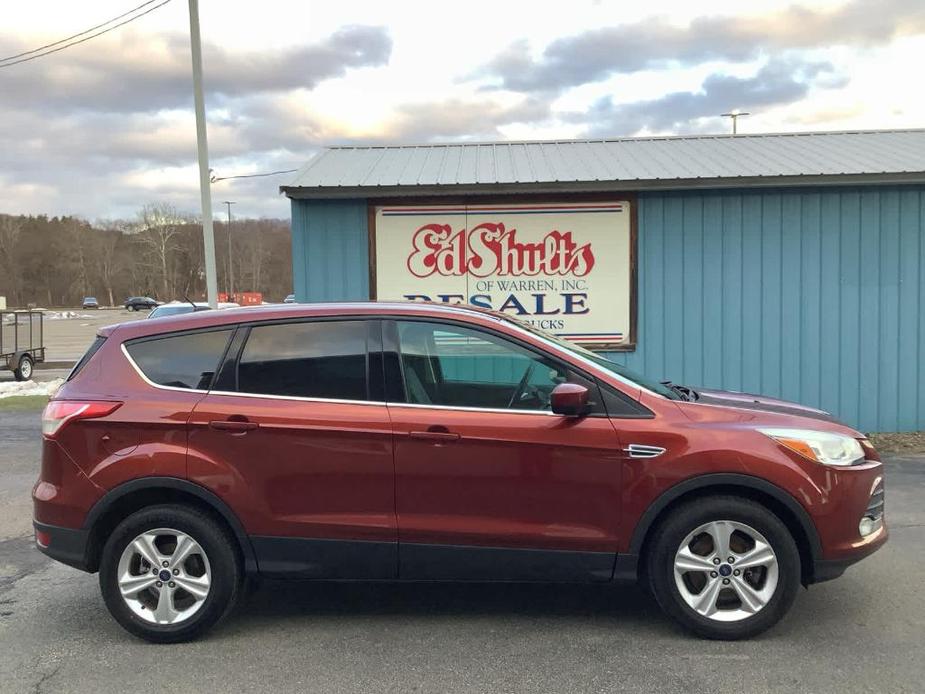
(102,128)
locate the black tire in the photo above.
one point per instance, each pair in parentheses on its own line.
(131,307)
(684,520)
(23,370)
(216,542)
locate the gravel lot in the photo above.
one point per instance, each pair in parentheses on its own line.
(861,633)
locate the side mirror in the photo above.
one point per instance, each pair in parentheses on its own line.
(569,400)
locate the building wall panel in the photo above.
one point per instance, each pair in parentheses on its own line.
(821,294)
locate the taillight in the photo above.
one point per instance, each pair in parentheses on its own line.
(59,412)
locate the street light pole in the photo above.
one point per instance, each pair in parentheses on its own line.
(205,192)
(734,115)
(229,203)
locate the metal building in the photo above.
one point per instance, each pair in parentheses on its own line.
(791,265)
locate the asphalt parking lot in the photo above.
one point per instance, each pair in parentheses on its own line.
(66,339)
(862,633)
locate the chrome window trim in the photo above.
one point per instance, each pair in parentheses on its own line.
(462,408)
(296,398)
(340,401)
(557,351)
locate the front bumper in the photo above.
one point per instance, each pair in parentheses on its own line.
(827,569)
(865,531)
(67,545)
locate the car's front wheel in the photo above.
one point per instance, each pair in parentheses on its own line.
(724,567)
(168,573)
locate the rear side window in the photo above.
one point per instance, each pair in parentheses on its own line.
(320,359)
(180,361)
(94,348)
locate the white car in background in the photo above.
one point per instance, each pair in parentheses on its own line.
(175,308)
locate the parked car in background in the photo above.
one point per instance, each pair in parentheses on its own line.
(90,302)
(176,308)
(137,303)
(184,454)
(290,299)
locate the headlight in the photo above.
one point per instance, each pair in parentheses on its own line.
(819,446)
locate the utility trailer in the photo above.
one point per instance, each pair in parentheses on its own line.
(22,343)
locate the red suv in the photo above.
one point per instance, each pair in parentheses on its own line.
(440,443)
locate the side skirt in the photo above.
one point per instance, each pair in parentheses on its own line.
(349,560)
(296,557)
(423,562)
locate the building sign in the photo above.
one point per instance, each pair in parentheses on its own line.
(562,267)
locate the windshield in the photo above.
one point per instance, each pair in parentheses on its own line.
(603,362)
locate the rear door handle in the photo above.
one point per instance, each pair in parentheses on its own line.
(233,426)
(436,436)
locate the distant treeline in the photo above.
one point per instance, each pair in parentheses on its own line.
(56,261)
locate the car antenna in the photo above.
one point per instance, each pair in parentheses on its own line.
(190,301)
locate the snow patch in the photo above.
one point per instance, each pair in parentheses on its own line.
(65,315)
(9,389)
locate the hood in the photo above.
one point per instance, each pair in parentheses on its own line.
(748,401)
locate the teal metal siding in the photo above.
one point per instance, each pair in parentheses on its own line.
(809,295)
(813,295)
(330,250)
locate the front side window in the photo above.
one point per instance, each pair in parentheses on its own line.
(453,366)
(612,366)
(180,361)
(318,359)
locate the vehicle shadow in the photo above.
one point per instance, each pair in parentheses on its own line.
(306,598)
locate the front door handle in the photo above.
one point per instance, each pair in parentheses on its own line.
(435,434)
(233,426)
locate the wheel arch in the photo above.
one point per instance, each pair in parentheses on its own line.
(772,497)
(119,502)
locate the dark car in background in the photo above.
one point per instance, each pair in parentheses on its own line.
(137,303)
(90,302)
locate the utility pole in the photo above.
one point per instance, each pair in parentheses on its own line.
(734,115)
(205,191)
(229,203)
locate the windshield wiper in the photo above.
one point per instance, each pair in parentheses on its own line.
(682,392)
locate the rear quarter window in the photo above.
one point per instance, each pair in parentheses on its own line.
(180,361)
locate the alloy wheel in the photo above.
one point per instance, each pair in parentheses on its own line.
(726,571)
(164,576)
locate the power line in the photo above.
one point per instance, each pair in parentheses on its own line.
(87,31)
(216,179)
(9,61)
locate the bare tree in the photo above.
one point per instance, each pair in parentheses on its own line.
(108,261)
(160,226)
(10,228)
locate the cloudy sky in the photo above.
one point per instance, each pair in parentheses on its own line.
(104,127)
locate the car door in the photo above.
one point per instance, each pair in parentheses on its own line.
(490,484)
(293,437)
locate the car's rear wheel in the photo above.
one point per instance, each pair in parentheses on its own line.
(168,573)
(23,371)
(724,567)
(131,307)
